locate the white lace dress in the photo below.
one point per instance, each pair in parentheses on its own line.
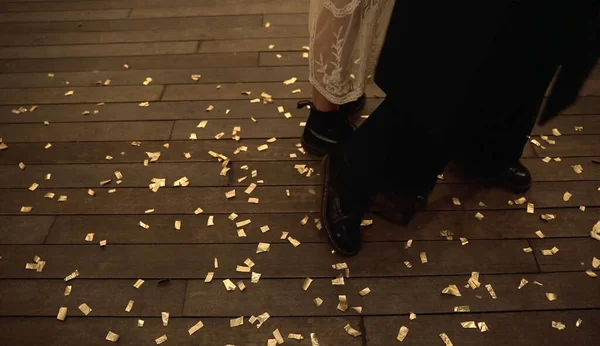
(346,37)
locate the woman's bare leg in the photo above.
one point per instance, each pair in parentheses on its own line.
(321,103)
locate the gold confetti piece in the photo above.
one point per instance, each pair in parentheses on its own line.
(229,285)
(339,281)
(31,266)
(482,327)
(558,325)
(313,340)
(177,225)
(250,188)
(102,242)
(366,222)
(595,263)
(357,309)
(456,201)
(165,318)
(296,91)
(277,336)
(293,241)
(138,283)
(210,221)
(22,165)
(452,290)
(143,225)
(567,196)
(104,182)
(318,301)
(469,325)
(193,136)
(521,200)
(295,336)
(62,198)
(242,269)
(547,159)
(339,266)
(522,283)
(595,232)
(230,194)
(262,147)
(72,276)
(473,281)
(464,241)
(255,277)
(540,234)
(352,331)
(209,277)
(241,224)
(491,291)
(578,323)
(253,200)
(408,264)
(364,291)
(551,296)
(305,55)
(423,257)
(538,283)
(69,93)
(85,309)
(91,192)
(307,283)
(290,81)
(112,337)
(548,217)
(161,339)
(530,208)
(582,207)
(284,235)
(342,303)
(147,81)
(279,56)
(263,247)
(48,146)
(153,156)
(68,290)
(198,211)
(236,322)
(140,323)
(62,313)
(402,333)
(196,327)
(577,168)
(33,186)
(479,216)
(287,115)
(589,272)
(555,132)
(219,135)
(129,306)
(280,109)
(462,308)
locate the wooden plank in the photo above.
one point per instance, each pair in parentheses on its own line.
(24,230)
(201,174)
(92,331)
(566,125)
(585,105)
(68,132)
(222,10)
(124,229)
(95,152)
(234,91)
(527,328)
(64,5)
(168,201)
(568,146)
(573,255)
(166,76)
(39,297)
(135,63)
(192,261)
(286,19)
(81,95)
(265,128)
(132,24)
(591,88)
(95,50)
(421,295)
(542,194)
(130,36)
(286,59)
(63,16)
(254,45)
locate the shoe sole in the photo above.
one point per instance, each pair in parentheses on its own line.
(324,194)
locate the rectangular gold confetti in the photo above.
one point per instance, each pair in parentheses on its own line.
(364,291)
(62,313)
(342,303)
(277,336)
(33,187)
(318,301)
(129,306)
(67,290)
(482,327)
(306,283)
(102,242)
(352,331)
(452,290)
(491,291)
(196,327)
(242,269)
(140,323)
(262,147)
(407,264)
(177,225)
(85,309)
(468,325)
(198,211)
(216,263)
(236,322)
(567,196)
(551,296)
(112,337)
(72,276)
(230,194)
(165,318)
(402,333)
(210,221)
(263,247)
(462,308)
(161,339)
(250,188)
(143,225)
(558,325)
(578,323)
(548,217)
(209,277)
(530,208)
(253,200)
(293,241)
(423,257)
(229,285)
(138,283)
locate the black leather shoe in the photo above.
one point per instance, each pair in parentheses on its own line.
(514,177)
(342,207)
(324,130)
(398,209)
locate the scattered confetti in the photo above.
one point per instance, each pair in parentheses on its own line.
(112,337)
(352,331)
(558,325)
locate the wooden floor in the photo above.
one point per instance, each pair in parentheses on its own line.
(50,48)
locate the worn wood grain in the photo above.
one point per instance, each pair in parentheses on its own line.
(168,201)
(124,229)
(579,145)
(395,296)
(265,128)
(92,331)
(585,105)
(130,36)
(95,152)
(81,94)
(135,63)
(573,255)
(286,59)
(286,19)
(86,24)
(39,297)
(24,230)
(567,124)
(96,50)
(32,16)
(67,132)
(254,45)
(591,88)
(222,10)
(526,328)
(163,76)
(193,261)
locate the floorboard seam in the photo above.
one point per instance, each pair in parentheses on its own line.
(50,229)
(364,330)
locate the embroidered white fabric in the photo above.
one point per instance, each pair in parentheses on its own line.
(346,37)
